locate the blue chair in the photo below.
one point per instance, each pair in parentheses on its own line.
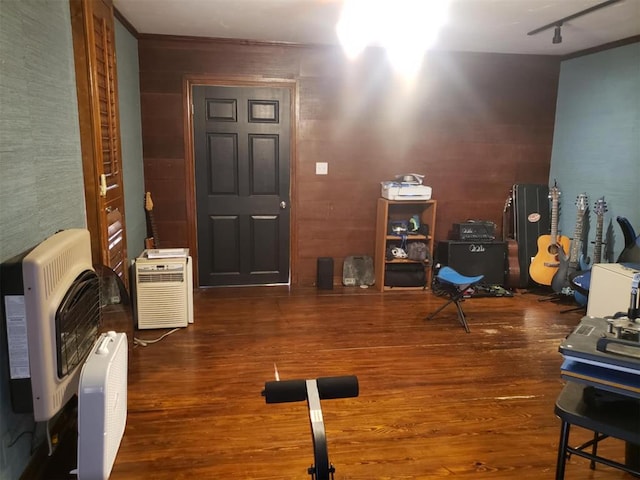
(451,284)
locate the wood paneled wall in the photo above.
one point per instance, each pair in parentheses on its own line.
(475,124)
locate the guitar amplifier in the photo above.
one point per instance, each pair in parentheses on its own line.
(610,288)
(475,258)
(475,230)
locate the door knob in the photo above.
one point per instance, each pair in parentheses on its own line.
(283,205)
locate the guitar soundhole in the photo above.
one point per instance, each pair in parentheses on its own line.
(553,249)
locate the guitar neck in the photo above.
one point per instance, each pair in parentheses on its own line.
(154,231)
(577,235)
(554,221)
(154,241)
(506,230)
(597,248)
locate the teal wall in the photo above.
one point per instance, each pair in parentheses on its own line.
(41,184)
(131,137)
(596,144)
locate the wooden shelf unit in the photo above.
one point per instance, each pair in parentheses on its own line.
(402,210)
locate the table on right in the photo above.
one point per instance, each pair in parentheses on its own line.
(604,413)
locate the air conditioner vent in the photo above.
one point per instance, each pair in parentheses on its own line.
(160,277)
(163,292)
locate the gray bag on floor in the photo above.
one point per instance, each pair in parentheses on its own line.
(358,270)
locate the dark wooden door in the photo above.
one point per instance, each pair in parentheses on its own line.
(242,156)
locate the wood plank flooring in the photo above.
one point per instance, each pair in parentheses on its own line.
(434,401)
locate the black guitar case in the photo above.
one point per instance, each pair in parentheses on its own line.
(531,220)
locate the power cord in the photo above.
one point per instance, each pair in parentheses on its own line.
(144,343)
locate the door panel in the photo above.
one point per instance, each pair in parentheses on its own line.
(265,240)
(224,254)
(241,146)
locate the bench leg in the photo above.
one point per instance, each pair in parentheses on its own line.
(450,301)
(562,450)
(461,317)
(594,450)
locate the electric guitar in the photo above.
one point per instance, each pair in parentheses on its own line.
(152,240)
(513,264)
(545,263)
(561,282)
(631,252)
(582,281)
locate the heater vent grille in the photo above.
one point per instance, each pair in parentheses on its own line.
(77,321)
(56,269)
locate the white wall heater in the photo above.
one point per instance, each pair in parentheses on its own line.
(163,292)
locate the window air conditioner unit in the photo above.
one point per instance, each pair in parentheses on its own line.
(163,292)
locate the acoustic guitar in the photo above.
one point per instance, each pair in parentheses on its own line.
(561,281)
(152,240)
(513,264)
(545,263)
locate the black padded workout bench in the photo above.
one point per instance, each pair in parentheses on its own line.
(313,391)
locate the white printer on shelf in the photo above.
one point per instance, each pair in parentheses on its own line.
(406,187)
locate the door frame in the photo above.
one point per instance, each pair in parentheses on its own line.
(84,14)
(190,81)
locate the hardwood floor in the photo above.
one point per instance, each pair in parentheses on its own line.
(434,401)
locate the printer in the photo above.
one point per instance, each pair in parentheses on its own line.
(406,187)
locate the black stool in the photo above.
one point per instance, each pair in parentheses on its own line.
(617,417)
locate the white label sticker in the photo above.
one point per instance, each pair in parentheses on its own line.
(17,336)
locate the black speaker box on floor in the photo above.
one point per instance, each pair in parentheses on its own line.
(475,258)
(324,279)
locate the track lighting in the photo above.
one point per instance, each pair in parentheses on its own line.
(557,34)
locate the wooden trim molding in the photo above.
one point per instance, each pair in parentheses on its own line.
(125,23)
(189,81)
(227,41)
(601,48)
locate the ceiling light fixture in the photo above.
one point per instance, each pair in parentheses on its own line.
(404,28)
(557,34)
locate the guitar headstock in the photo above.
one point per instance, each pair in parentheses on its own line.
(554,192)
(582,202)
(600,207)
(507,204)
(148,203)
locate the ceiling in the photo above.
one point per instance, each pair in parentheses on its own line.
(498,26)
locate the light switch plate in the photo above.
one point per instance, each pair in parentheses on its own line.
(322,168)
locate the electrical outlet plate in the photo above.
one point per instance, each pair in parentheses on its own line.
(322,168)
